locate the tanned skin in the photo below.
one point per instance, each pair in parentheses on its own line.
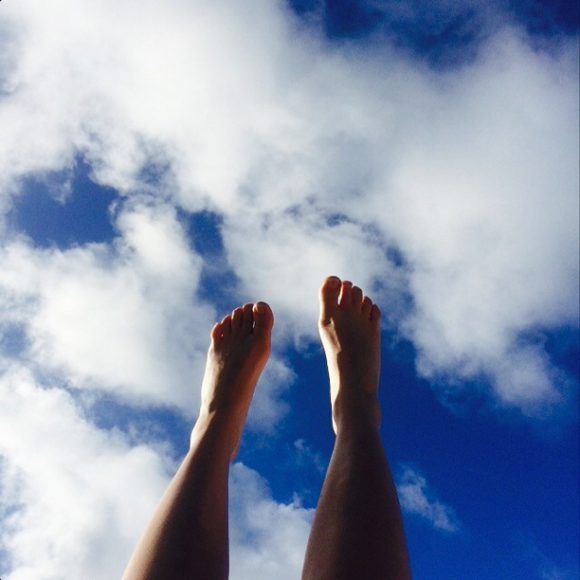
(357,533)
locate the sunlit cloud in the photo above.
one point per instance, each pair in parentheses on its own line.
(450,193)
(323,160)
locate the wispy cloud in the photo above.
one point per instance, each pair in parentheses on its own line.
(306,455)
(417,498)
(529,548)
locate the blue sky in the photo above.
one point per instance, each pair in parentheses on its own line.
(160,165)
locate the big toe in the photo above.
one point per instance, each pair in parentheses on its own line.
(329,292)
(263,319)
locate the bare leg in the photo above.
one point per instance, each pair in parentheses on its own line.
(187,538)
(357,533)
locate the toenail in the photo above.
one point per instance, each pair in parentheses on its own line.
(333,282)
(260,308)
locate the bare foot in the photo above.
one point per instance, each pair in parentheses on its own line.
(239,349)
(350,333)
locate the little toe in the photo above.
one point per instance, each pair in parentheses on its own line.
(248,318)
(216,333)
(328,295)
(226,325)
(263,319)
(375,313)
(357,297)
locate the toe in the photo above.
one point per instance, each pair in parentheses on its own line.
(216,333)
(367,306)
(263,319)
(226,325)
(248,318)
(345,298)
(329,292)
(237,318)
(375,313)
(357,297)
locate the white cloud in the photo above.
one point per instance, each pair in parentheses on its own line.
(417,498)
(71,487)
(321,157)
(79,497)
(483,203)
(268,539)
(282,258)
(118,317)
(268,404)
(123,317)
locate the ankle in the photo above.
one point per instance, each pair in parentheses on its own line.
(356,411)
(215,430)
